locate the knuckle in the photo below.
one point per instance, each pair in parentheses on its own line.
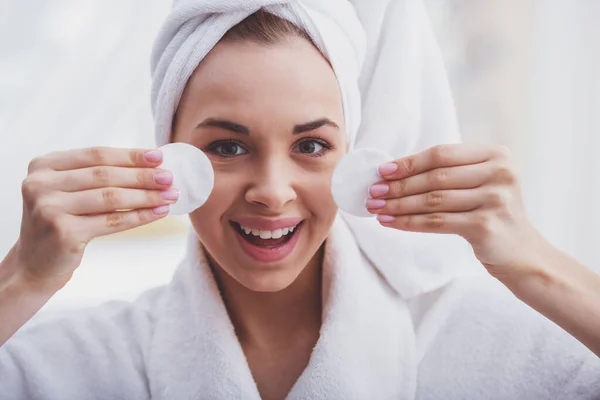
(114,220)
(136,157)
(497,198)
(438,153)
(97,155)
(101,176)
(397,188)
(434,199)
(110,198)
(406,166)
(36,164)
(505,174)
(435,221)
(438,177)
(144,217)
(482,225)
(144,178)
(46,210)
(30,187)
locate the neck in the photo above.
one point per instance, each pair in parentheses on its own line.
(272,318)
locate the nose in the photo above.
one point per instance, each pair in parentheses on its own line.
(271,187)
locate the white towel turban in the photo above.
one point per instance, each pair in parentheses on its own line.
(406,102)
(195,26)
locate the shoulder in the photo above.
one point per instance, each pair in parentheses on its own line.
(102,346)
(476,327)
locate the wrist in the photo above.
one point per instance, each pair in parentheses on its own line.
(15,276)
(543,268)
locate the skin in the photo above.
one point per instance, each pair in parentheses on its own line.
(473,190)
(272,173)
(71,197)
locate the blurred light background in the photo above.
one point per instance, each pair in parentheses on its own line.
(525,73)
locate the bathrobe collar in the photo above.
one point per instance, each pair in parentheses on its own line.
(366,347)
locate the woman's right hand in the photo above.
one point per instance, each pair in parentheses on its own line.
(72,197)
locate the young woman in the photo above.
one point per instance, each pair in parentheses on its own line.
(279,296)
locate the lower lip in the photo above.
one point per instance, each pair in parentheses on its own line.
(265,254)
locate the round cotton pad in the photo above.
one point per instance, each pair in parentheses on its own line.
(353,176)
(193,176)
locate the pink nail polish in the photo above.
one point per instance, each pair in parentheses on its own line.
(385,218)
(379,189)
(387,169)
(163,178)
(373,204)
(161,210)
(170,194)
(153,156)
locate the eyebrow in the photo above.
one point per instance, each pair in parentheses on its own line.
(244,130)
(224,124)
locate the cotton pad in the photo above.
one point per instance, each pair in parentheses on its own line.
(193,176)
(353,176)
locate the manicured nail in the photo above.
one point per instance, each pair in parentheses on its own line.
(161,210)
(387,169)
(373,204)
(163,178)
(170,194)
(153,156)
(379,189)
(385,218)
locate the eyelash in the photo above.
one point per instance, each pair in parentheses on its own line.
(212,147)
(326,145)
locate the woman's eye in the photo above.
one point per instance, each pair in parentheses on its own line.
(227,149)
(311,147)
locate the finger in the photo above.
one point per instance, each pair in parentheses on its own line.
(462,177)
(100,201)
(101,177)
(431,202)
(106,224)
(447,155)
(445,223)
(95,156)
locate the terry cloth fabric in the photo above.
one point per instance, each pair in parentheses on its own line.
(471,339)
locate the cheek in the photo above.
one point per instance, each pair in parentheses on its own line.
(226,192)
(315,191)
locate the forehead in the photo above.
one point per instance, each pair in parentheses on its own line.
(248,76)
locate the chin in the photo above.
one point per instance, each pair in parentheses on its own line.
(267,281)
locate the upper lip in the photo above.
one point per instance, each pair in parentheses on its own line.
(267,224)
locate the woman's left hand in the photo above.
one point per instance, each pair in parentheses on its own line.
(467,189)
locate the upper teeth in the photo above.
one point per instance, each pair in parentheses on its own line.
(276,234)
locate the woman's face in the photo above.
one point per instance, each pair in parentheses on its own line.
(270,119)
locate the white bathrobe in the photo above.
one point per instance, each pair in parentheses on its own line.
(471,339)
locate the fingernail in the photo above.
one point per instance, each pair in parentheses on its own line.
(379,189)
(373,204)
(161,210)
(153,156)
(170,194)
(387,169)
(163,178)
(385,218)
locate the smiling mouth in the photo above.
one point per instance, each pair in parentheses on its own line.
(266,239)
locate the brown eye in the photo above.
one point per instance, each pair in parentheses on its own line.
(312,147)
(309,147)
(226,149)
